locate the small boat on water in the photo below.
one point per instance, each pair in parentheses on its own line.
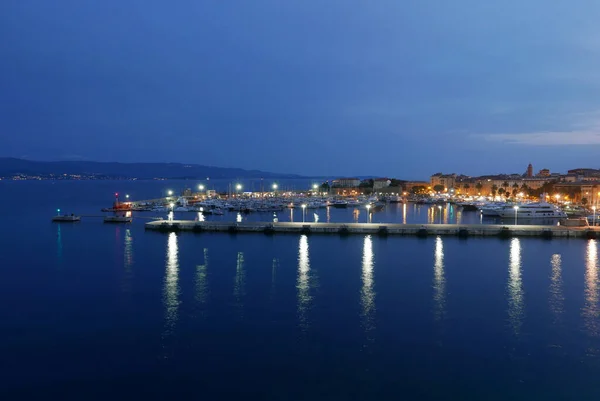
(66,218)
(118,219)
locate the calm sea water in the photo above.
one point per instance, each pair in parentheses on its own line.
(91,311)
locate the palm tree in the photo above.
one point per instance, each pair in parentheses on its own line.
(479,186)
(505,184)
(494,189)
(466,187)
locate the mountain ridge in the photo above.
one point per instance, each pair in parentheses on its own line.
(13,166)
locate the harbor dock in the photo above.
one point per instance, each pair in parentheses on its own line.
(381,229)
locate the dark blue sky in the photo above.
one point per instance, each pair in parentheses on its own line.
(341,87)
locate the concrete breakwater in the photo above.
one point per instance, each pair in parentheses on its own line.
(382,229)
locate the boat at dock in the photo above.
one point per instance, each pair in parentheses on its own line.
(537,210)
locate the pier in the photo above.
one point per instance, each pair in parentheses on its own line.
(381,229)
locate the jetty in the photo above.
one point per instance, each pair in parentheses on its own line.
(381,229)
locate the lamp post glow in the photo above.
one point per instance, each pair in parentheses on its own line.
(170,193)
(238,187)
(126,196)
(58,212)
(303,209)
(315,187)
(274,187)
(368,212)
(516,213)
(201,187)
(440,208)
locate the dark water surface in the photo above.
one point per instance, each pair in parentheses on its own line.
(97,311)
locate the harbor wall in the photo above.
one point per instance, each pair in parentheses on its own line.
(421,230)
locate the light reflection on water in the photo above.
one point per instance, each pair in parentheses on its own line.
(239,284)
(303,282)
(591,313)
(515,287)
(404,213)
(556,295)
(171,285)
(128,261)
(367,294)
(273,274)
(439,280)
(59,245)
(201,281)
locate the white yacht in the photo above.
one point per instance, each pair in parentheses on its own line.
(538,210)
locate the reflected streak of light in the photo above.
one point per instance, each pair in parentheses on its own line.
(238,218)
(458,216)
(59,246)
(201,216)
(367,292)
(404,213)
(303,283)
(515,287)
(430,215)
(439,280)
(445,214)
(202,280)
(556,295)
(128,260)
(590,311)
(316,218)
(292,214)
(273,273)
(328,214)
(128,249)
(171,285)
(239,285)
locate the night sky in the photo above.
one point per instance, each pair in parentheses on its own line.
(332,87)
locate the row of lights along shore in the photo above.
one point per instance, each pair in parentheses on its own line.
(238,188)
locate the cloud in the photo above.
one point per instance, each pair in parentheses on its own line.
(545,138)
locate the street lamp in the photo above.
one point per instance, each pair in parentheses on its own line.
(201,187)
(274,187)
(516,213)
(303,209)
(238,187)
(126,196)
(557,196)
(170,193)
(58,212)
(368,211)
(315,187)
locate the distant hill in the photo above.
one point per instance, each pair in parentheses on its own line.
(11,166)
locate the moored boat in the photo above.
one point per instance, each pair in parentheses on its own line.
(66,218)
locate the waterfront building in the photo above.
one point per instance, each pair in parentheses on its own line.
(544,173)
(446,181)
(379,183)
(579,190)
(346,183)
